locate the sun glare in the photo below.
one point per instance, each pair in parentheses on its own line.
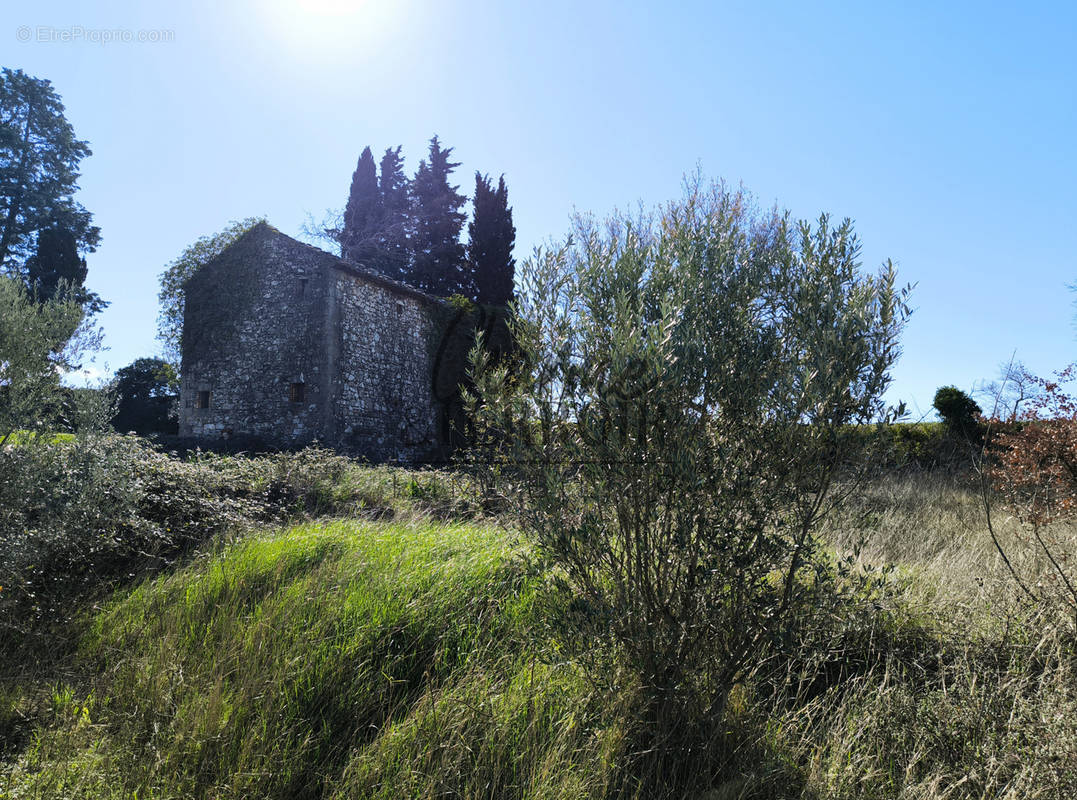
(320,28)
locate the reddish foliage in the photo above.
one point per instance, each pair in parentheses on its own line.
(1035,454)
(1035,468)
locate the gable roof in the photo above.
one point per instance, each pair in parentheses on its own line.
(264,232)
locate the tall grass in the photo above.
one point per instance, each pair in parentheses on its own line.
(413,658)
(984,704)
(933,526)
(257,671)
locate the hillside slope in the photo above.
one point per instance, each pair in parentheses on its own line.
(355,659)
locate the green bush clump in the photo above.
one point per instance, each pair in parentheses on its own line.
(909,446)
(78,515)
(958,412)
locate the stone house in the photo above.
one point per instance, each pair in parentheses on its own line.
(285,344)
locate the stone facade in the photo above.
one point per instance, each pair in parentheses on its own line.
(287,344)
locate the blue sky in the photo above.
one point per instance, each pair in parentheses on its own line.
(947,131)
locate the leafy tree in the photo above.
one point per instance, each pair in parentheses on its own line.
(39,161)
(56,265)
(362,214)
(438,257)
(491,237)
(32,358)
(172,294)
(958,411)
(671,438)
(146,390)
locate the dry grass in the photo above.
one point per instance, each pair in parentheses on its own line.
(934,527)
(984,704)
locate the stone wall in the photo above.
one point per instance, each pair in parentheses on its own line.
(270,314)
(381,359)
(254,327)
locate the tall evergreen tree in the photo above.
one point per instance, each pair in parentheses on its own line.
(39,161)
(55,262)
(358,238)
(438,257)
(394,191)
(491,237)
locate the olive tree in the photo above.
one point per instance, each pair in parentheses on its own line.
(671,429)
(37,344)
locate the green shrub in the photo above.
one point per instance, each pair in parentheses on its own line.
(32,342)
(958,412)
(656,446)
(80,513)
(76,515)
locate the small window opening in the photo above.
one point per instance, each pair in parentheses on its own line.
(399,308)
(298,392)
(203,400)
(302,289)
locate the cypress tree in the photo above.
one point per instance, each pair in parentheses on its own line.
(358,239)
(438,257)
(57,261)
(491,237)
(394,193)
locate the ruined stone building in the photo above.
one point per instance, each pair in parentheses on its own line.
(286,344)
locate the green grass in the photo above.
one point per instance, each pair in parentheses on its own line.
(404,657)
(255,672)
(21,438)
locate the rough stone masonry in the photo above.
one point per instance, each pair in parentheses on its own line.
(286,344)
